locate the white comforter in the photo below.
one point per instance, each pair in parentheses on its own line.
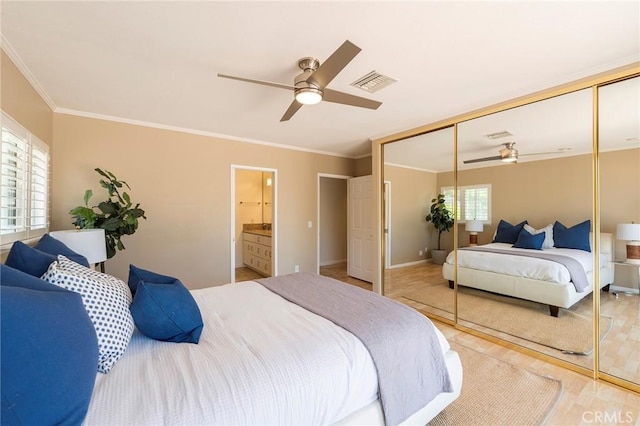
(260,360)
(522,266)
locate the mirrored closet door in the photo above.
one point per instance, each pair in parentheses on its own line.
(414,249)
(619,203)
(538,164)
(529,169)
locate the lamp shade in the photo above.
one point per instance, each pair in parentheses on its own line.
(628,231)
(88,242)
(473,226)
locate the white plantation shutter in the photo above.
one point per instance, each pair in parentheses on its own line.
(473,202)
(476,203)
(39,174)
(24,184)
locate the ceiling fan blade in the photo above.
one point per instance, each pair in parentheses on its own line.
(542,153)
(264,83)
(347,99)
(334,64)
(478,160)
(293,108)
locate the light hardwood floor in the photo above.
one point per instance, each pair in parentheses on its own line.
(584,401)
(246,274)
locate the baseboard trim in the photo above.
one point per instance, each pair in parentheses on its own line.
(625,290)
(402,265)
(332,262)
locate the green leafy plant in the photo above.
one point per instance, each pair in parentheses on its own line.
(116,215)
(441,218)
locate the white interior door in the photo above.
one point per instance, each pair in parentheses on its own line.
(361,241)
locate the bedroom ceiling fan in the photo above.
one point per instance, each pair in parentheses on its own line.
(310,87)
(509,154)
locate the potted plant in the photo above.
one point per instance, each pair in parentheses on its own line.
(442,220)
(116,215)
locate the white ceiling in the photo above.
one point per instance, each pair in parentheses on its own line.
(556,127)
(156,62)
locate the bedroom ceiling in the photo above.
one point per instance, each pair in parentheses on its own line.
(157,62)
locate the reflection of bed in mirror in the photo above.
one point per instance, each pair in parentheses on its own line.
(535,279)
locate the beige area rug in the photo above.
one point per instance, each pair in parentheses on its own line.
(570,332)
(497,393)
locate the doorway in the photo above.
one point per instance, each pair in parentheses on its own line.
(387,224)
(332,223)
(253,223)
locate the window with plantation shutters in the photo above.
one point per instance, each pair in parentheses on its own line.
(24,184)
(472,203)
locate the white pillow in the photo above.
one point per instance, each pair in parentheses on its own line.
(106,300)
(548,238)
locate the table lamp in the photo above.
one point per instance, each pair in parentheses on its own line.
(630,232)
(473,227)
(88,242)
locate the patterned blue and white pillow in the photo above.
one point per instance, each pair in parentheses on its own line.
(106,300)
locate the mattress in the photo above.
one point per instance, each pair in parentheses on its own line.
(522,266)
(260,360)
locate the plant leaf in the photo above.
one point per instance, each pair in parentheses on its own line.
(102,173)
(87,195)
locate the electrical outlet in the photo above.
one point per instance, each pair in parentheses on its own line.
(420,253)
(296,268)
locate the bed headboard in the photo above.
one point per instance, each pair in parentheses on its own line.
(606,246)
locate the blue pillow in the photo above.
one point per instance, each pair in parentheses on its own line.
(49,354)
(137,275)
(164,309)
(508,233)
(11,277)
(576,237)
(50,245)
(526,240)
(28,259)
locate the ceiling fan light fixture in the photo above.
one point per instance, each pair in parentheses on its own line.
(511,157)
(308,95)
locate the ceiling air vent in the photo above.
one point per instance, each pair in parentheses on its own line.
(498,135)
(373,82)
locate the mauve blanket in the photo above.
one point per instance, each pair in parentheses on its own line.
(575,268)
(402,342)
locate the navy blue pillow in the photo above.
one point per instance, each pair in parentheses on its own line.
(50,245)
(508,233)
(576,237)
(49,356)
(28,259)
(526,240)
(11,277)
(164,309)
(138,274)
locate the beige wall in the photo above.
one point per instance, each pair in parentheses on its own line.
(560,189)
(538,191)
(183,182)
(363,167)
(619,188)
(19,99)
(333,220)
(411,194)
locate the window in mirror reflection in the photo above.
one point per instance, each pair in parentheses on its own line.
(474,202)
